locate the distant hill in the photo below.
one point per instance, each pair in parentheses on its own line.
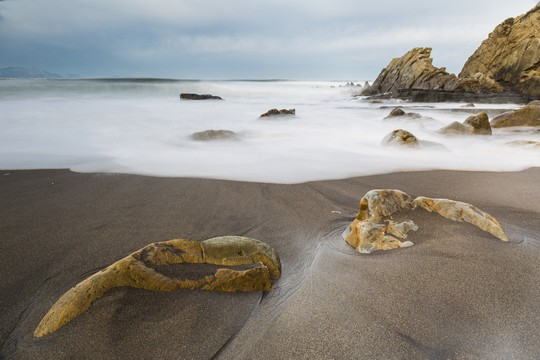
(26,73)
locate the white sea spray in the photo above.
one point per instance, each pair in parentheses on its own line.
(142,127)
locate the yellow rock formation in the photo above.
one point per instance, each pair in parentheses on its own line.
(370,230)
(137,270)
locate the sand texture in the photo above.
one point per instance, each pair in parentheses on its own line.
(458,293)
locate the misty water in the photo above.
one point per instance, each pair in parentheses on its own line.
(142,127)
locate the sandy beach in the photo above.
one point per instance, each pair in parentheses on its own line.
(458,293)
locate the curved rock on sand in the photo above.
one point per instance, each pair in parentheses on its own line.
(370,230)
(137,270)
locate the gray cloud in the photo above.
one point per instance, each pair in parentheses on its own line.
(220,39)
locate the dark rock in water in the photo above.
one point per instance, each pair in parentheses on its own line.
(276,112)
(209,135)
(526,116)
(401,137)
(505,67)
(473,125)
(421,95)
(526,143)
(469,105)
(188,96)
(398,112)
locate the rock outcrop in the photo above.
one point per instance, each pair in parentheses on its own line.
(372,230)
(526,116)
(510,56)
(189,96)
(276,112)
(505,67)
(211,135)
(412,71)
(474,125)
(140,270)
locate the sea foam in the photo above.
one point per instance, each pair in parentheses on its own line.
(142,127)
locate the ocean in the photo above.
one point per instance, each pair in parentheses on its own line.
(141,126)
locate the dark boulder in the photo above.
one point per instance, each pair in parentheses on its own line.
(189,96)
(276,112)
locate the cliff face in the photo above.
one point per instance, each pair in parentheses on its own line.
(507,62)
(511,55)
(414,70)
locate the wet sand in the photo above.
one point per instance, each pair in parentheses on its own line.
(458,293)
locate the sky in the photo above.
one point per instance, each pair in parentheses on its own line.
(242,39)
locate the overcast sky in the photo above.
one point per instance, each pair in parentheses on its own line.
(242,39)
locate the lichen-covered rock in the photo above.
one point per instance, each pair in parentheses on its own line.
(139,270)
(190,96)
(474,125)
(209,135)
(276,112)
(526,116)
(510,56)
(401,137)
(370,231)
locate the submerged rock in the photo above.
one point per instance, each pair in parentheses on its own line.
(398,112)
(189,96)
(526,143)
(473,125)
(526,116)
(209,135)
(139,270)
(370,231)
(276,112)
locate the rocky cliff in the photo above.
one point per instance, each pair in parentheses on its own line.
(510,55)
(414,70)
(506,65)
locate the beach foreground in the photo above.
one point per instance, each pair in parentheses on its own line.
(457,293)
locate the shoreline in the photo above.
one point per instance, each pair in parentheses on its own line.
(456,292)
